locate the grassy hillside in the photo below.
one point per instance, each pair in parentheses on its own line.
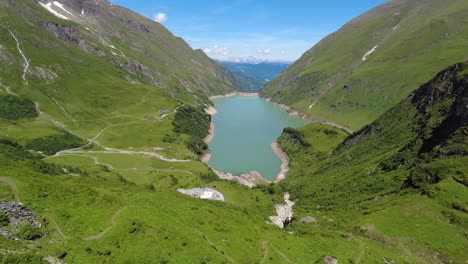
(95,140)
(413,40)
(400,182)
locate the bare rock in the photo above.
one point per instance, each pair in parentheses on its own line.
(43,73)
(18,213)
(308,220)
(284,213)
(330,260)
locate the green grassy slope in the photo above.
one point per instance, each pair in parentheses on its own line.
(414,39)
(400,182)
(114,199)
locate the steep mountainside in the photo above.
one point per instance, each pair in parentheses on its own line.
(400,181)
(102,122)
(64,36)
(251,77)
(355,74)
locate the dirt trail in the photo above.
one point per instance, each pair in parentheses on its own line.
(58,228)
(282,254)
(98,236)
(12,184)
(264,251)
(63,109)
(97,162)
(7,89)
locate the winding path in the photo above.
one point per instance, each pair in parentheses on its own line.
(58,228)
(97,162)
(98,236)
(264,251)
(63,109)
(12,184)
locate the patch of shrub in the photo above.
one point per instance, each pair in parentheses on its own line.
(197,145)
(52,144)
(295,136)
(4,220)
(28,232)
(14,107)
(13,150)
(192,121)
(22,258)
(209,177)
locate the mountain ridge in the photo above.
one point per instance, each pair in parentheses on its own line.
(336,81)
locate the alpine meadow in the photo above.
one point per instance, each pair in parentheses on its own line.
(111,150)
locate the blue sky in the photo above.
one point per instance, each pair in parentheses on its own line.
(268,30)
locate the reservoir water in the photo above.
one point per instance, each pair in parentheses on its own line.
(244,129)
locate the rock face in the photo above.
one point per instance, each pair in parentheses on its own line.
(330,260)
(284,213)
(250,179)
(18,213)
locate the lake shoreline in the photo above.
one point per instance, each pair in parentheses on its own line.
(284,158)
(234,94)
(252,178)
(305,117)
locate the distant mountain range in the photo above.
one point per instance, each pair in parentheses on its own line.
(250,76)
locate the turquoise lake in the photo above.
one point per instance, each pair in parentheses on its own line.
(245,127)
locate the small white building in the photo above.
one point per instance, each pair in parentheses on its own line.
(206,195)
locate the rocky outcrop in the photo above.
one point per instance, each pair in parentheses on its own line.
(330,260)
(284,213)
(250,179)
(18,213)
(135,68)
(308,220)
(43,73)
(72,36)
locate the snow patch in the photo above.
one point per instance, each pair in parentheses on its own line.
(395,27)
(63,11)
(49,8)
(369,53)
(59,5)
(82,11)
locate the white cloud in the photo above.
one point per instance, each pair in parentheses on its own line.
(161,17)
(215,50)
(264,52)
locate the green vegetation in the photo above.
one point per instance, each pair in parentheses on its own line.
(191,121)
(414,42)
(23,258)
(390,183)
(28,232)
(195,123)
(393,191)
(13,107)
(197,145)
(52,144)
(4,220)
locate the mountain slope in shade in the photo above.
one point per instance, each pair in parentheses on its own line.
(355,74)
